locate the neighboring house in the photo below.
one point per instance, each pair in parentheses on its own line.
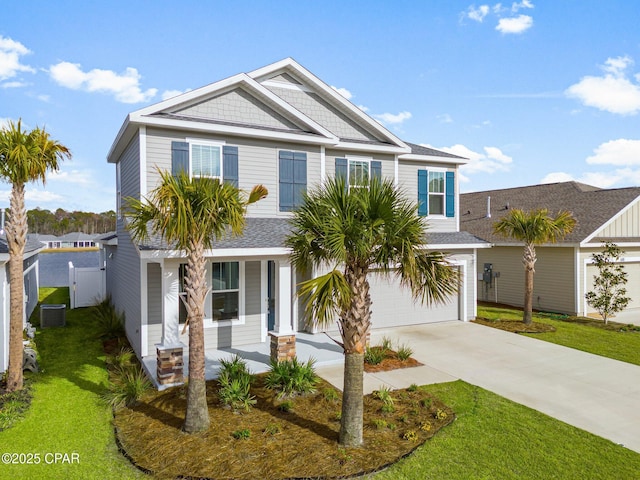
(49,241)
(283,127)
(564,271)
(77,240)
(30,267)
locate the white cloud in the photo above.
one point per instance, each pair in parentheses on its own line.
(620,152)
(445,118)
(392,118)
(492,160)
(75,177)
(14,84)
(125,87)
(523,4)
(477,14)
(557,177)
(363,108)
(344,92)
(614,92)
(173,93)
(518,24)
(10,53)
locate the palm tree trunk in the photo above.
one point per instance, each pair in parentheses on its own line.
(529,261)
(16,229)
(355,327)
(197,415)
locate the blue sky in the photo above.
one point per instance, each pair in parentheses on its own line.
(530,91)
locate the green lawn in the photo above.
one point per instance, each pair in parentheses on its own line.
(67,415)
(623,346)
(492,438)
(495,438)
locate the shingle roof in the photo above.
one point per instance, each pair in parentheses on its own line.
(421,150)
(591,206)
(271,233)
(30,246)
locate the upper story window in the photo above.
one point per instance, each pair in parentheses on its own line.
(358,171)
(436,193)
(292,179)
(205,159)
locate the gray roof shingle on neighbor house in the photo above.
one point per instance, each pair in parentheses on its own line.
(453,238)
(31,245)
(432,152)
(591,206)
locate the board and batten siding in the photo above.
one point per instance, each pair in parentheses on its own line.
(553,282)
(631,267)
(626,225)
(257,164)
(408,182)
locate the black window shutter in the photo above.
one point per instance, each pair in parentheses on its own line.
(230,165)
(179,158)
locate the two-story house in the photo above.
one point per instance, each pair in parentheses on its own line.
(282,127)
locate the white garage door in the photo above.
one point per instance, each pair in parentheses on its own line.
(633,284)
(392,305)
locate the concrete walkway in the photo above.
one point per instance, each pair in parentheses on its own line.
(596,394)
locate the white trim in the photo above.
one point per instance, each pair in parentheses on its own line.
(463,290)
(118,192)
(610,221)
(396,170)
(323,165)
(576,279)
(208,321)
(434,159)
(264,300)
(457,246)
(226,253)
(367,147)
(144,313)
(143,161)
(456,200)
(286,86)
(359,159)
(206,143)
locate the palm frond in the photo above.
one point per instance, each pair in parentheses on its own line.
(327,296)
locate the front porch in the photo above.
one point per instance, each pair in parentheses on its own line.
(317,346)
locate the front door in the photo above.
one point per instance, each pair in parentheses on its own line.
(271,295)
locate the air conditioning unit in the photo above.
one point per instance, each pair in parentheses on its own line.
(52,315)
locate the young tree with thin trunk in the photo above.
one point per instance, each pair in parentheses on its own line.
(533,228)
(349,232)
(25,156)
(192,213)
(608,296)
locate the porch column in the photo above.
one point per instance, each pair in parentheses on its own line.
(170,352)
(283,337)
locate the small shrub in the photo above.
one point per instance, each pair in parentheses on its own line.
(425,426)
(391,426)
(403,418)
(379,423)
(292,377)
(286,406)
(426,402)
(404,352)
(384,394)
(234,393)
(410,435)
(330,395)
(387,408)
(122,359)
(110,322)
(440,414)
(234,367)
(386,344)
(272,429)
(128,386)
(337,416)
(412,388)
(374,355)
(243,434)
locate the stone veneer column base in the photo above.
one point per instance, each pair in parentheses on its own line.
(170,365)
(283,347)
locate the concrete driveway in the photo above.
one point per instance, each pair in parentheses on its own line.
(596,394)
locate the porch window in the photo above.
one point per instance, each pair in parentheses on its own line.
(225,286)
(358,173)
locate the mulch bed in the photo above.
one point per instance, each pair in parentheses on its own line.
(391,362)
(516,326)
(301,443)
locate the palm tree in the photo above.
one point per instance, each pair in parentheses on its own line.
(350,232)
(533,228)
(192,213)
(25,156)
